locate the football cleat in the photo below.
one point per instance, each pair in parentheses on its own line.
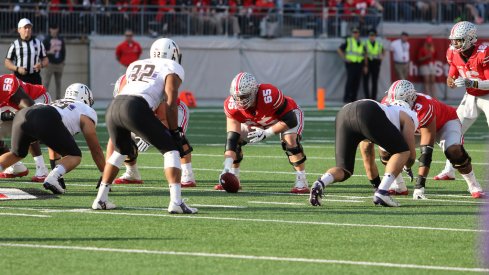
(53,184)
(128,178)
(418,194)
(102,205)
(478,195)
(16,170)
(384,199)
(40,175)
(316,195)
(476,191)
(174,208)
(445,175)
(188,179)
(301,186)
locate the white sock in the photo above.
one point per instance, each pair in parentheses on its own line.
(471,181)
(187,167)
(235,171)
(386,181)
(39,162)
(103,192)
(449,167)
(58,171)
(300,174)
(327,179)
(132,168)
(176,193)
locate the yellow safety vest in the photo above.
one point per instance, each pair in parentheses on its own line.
(373,52)
(354,50)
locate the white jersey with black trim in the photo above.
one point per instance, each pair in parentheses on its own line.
(392,113)
(146,78)
(71,111)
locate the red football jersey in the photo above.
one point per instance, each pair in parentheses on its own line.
(264,114)
(477,67)
(427,108)
(32,90)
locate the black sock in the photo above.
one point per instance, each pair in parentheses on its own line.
(420,182)
(375,182)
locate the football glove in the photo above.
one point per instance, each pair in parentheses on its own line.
(409,172)
(465,82)
(141,144)
(7,116)
(258,134)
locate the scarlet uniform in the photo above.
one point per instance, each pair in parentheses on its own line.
(32,90)
(267,111)
(428,108)
(476,68)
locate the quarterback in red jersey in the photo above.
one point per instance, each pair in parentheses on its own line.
(8,108)
(469,68)
(258,111)
(437,122)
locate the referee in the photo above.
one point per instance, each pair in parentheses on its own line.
(26,55)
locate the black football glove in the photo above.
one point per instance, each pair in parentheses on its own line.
(7,116)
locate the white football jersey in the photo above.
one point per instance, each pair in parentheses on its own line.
(71,111)
(146,78)
(392,113)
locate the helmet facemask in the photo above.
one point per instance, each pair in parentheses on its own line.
(464,33)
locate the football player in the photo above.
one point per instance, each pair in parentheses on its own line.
(469,68)
(149,82)
(132,173)
(390,126)
(8,109)
(255,112)
(437,122)
(54,125)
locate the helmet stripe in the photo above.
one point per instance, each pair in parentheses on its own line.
(393,89)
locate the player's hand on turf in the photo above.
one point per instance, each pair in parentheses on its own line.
(465,82)
(141,144)
(409,172)
(258,134)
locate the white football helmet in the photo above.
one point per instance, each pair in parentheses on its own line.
(465,31)
(167,49)
(244,89)
(79,92)
(402,90)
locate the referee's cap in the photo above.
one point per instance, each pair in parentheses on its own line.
(24,22)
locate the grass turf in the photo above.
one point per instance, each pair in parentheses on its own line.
(261,229)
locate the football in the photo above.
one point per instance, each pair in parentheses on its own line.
(229,182)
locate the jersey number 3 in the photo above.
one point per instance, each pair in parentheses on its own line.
(144,74)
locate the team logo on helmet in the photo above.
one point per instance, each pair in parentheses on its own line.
(402,90)
(79,92)
(244,89)
(464,31)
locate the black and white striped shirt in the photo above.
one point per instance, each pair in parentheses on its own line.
(26,53)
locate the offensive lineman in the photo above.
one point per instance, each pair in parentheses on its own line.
(258,111)
(437,122)
(469,68)
(55,125)
(391,127)
(149,82)
(39,95)
(132,176)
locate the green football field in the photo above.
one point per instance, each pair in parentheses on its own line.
(262,229)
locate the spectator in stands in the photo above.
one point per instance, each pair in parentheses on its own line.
(203,21)
(26,55)
(477,9)
(375,54)
(334,11)
(425,6)
(56,51)
(352,51)
(369,14)
(129,50)
(400,56)
(222,18)
(244,12)
(398,10)
(426,62)
(269,23)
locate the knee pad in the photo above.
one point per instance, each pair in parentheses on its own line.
(134,153)
(294,151)
(239,152)
(459,161)
(172,159)
(185,142)
(116,159)
(426,155)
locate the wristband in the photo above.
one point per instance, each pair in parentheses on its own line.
(269,132)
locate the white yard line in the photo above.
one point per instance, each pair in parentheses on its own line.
(298,203)
(24,215)
(245,257)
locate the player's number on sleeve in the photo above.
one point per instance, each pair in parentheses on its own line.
(267,96)
(7,84)
(140,73)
